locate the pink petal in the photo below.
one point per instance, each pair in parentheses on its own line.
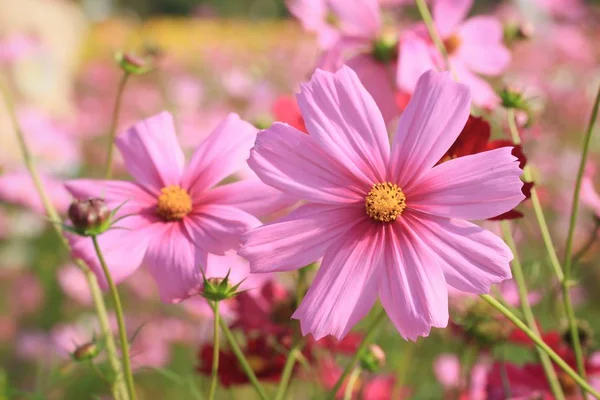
(123,248)
(373,75)
(413,290)
(345,287)
(151,152)
(133,198)
(17,188)
(358,18)
(447,370)
(216,228)
(482,48)
(312,14)
(221,154)
(589,196)
(477,186)
(471,257)
(230,263)
(299,238)
(295,163)
(343,117)
(172,260)
(251,196)
(482,94)
(433,119)
(447,14)
(415,59)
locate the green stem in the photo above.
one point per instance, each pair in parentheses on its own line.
(351,382)
(215,363)
(242,359)
(569,246)
(433,33)
(113,126)
(535,201)
(519,278)
(540,343)
(120,321)
(365,342)
(288,368)
(117,389)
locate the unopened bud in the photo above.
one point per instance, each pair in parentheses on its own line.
(89,216)
(85,352)
(513,98)
(133,64)
(385,48)
(263,121)
(373,358)
(517,31)
(217,289)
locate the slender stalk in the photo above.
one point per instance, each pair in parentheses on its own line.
(573,328)
(351,382)
(519,278)
(433,33)
(120,321)
(288,368)
(215,363)
(540,343)
(535,201)
(365,342)
(113,126)
(242,359)
(117,389)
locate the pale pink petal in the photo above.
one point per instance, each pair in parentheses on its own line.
(482,48)
(299,238)
(357,18)
(18,188)
(171,258)
(346,285)
(589,196)
(229,264)
(413,290)
(415,59)
(447,370)
(151,152)
(131,197)
(482,93)
(378,79)
(295,163)
(216,228)
(73,282)
(123,248)
(448,14)
(251,196)
(312,14)
(477,186)
(433,119)
(343,117)
(471,257)
(221,154)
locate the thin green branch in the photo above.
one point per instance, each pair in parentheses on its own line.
(215,362)
(114,123)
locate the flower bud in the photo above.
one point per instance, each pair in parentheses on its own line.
(217,289)
(133,64)
(385,48)
(89,216)
(372,359)
(513,98)
(517,31)
(85,352)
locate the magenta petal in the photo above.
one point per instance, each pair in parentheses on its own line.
(251,196)
(221,154)
(346,285)
(123,248)
(294,163)
(171,258)
(415,59)
(433,119)
(482,48)
(477,186)
(471,257)
(448,14)
(151,152)
(216,228)
(130,196)
(343,117)
(299,238)
(413,290)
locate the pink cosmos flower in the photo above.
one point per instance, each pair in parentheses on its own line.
(176,215)
(388,222)
(474,46)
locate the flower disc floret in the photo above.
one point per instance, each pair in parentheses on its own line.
(174,203)
(385,202)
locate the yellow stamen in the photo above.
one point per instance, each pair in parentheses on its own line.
(385,202)
(174,203)
(452,44)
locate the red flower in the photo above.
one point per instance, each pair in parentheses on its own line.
(285,109)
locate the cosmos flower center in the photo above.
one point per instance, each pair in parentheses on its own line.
(452,43)
(174,203)
(385,202)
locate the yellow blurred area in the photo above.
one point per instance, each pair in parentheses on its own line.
(185,39)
